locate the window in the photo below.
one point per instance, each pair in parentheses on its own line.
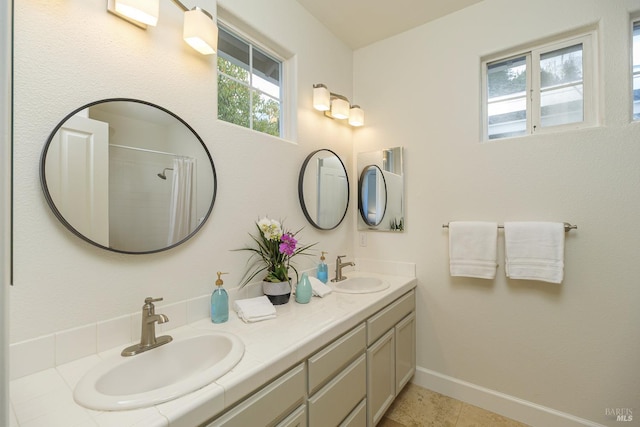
(249,84)
(636,70)
(549,87)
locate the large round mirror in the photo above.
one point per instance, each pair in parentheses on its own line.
(128,176)
(373,195)
(323,189)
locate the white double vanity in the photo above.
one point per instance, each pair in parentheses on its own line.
(339,360)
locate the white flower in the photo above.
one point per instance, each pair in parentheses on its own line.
(271,229)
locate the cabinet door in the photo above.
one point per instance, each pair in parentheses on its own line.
(381,378)
(405,350)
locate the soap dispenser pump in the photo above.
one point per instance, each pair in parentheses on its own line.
(323,271)
(219,302)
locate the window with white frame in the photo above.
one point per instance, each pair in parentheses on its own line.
(549,87)
(249,84)
(636,70)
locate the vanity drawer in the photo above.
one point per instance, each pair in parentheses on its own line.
(325,364)
(270,405)
(335,401)
(297,419)
(357,417)
(386,319)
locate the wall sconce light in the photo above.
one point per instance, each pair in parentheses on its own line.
(336,106)
(200,30)
(356,116)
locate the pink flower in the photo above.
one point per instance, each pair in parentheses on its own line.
(287,244)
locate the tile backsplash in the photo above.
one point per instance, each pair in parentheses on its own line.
(49,351)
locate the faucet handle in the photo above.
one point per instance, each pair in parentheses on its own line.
(149,300)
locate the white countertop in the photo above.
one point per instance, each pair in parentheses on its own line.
(46,398)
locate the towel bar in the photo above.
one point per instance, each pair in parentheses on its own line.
(567,227)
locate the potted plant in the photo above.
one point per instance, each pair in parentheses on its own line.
(275,248)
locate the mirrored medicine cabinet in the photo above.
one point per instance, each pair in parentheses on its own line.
(381,190)
(128,176)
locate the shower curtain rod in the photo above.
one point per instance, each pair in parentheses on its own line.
(146,150)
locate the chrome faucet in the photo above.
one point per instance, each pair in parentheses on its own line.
(339,265)
(148,338)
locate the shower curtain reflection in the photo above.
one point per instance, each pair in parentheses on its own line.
(182,210)
(139,201)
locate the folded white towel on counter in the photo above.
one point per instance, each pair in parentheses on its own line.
(255,309)
(473,249)
(534,250)
(319,289)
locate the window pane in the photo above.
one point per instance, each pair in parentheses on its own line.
(249,85)
(266,67)
(636,71)
(561,86)
(234,103)
(235,52)
(266,114)
(507,101)
(229,69)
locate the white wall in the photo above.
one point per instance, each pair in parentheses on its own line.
(572,347)
(68,53)
(5,202)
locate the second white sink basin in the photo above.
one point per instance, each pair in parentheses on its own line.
(161,374)
(360,285)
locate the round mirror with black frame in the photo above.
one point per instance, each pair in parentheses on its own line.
(128,176)
(372,202)
(323,189)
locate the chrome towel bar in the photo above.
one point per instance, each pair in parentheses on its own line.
(567,227)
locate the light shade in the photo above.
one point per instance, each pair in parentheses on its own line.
(340,108)
(143,11)
(356,116)
(200,31)
(321,97)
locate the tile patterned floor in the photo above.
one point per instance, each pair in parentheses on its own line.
(419,407)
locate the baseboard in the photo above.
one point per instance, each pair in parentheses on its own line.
(517,409)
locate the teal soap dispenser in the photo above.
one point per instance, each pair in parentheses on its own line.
(303,290)
(219,302)
(322,272)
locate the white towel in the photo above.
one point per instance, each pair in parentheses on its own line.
(319,289)
(473,249)
(255,309)
(534,250)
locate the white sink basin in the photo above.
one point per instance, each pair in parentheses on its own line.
(161,374)
(360,285)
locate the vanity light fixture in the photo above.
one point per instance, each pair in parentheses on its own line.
(340,107)
(199,29)
(356,116)
(321,97)
(336,106)
(138,12)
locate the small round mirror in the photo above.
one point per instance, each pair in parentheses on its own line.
(323,189)
(128,176)
(373,195)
